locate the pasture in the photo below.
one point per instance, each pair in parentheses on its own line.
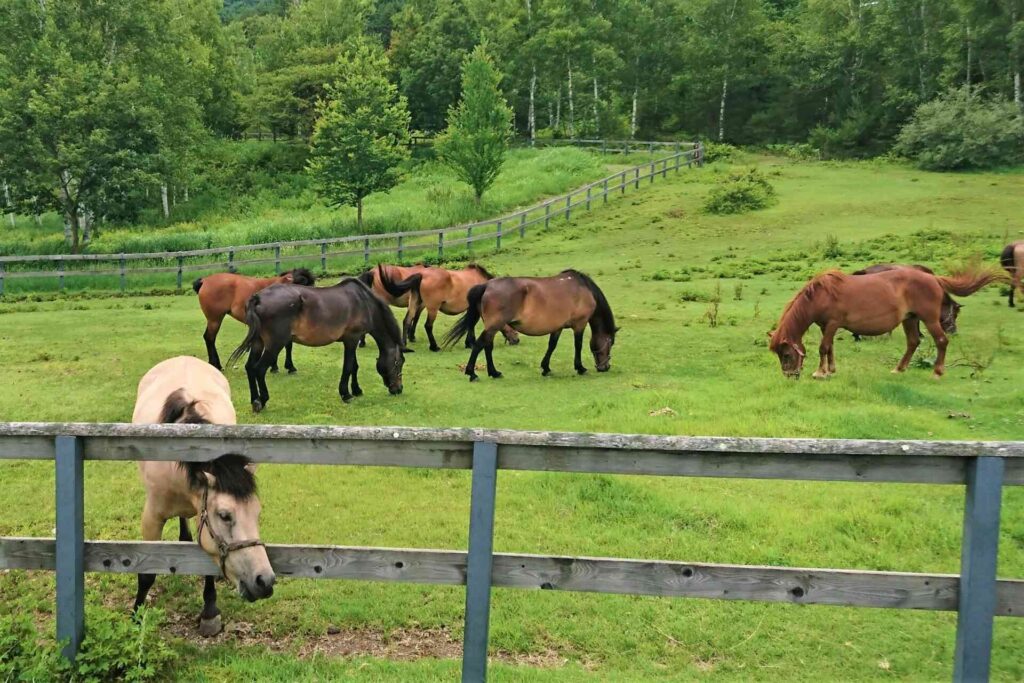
(695,296)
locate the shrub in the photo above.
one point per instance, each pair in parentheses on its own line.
(852,138)
(739,192)
(962,130)
(718,151)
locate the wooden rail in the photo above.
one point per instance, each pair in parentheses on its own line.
(355,248)
(983,467)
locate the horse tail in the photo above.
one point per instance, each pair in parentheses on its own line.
(1006,259)
(252,319)
(197,284)
(969,281)
(467,322)
(397,289)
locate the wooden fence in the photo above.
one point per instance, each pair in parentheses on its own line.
(976,594)
(352,248)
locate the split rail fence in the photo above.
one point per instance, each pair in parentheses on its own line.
(353,249)
(976,594)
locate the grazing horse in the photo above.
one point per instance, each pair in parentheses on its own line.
(536,306)
(439,289)
(1012,259)
(950,307)
(221,493)
(320,316)
(870,305)
(224,294)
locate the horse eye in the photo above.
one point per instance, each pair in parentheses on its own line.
(224,515)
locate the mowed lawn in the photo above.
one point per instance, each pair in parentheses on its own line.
(662,263)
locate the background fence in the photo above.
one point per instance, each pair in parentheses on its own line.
(976,594)
(355,250)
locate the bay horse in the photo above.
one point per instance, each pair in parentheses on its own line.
(440,290)
(318,316)
(1012,260)
(870,305)
(950,307)
(221,493)
(538,306)
(224,294)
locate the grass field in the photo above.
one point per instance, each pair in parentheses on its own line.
(662,264)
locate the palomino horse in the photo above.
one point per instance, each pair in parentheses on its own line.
(222,492)
(1012,259)
(536,306)
(439,289)
(870,305)
(318,317)
(950,307)
(224,294)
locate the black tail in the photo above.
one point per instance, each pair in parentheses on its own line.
(1006,258)
(252,319)
(468,321)
(197,284)
(411,283)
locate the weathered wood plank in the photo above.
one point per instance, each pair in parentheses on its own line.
(586,574)
(27,448)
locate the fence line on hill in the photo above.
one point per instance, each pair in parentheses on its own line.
(400,244)
(976,594)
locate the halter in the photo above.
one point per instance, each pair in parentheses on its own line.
(223,547)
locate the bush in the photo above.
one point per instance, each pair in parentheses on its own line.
(852,138)
(739,192)
(960,130)
(718,151)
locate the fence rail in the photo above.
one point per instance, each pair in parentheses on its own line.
(983,467)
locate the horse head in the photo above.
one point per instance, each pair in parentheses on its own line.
(389,367)
(791,355)
(601,346)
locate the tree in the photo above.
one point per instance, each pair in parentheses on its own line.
(480,127)
(362,131)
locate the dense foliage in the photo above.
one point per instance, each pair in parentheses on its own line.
(740,191)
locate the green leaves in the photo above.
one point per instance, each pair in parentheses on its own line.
(480,127)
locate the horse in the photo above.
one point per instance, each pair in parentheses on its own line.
(221,493)
(222,294)
(1012,260)
(950,307)
(439,289)
(870,305)
(320,316)
(538,306)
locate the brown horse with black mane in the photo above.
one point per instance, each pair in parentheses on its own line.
(538,306)
(870,305)
(439,290)
(1012,260)
(224,294)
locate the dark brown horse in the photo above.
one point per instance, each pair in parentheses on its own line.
(870,305)
(1012,260)
(538,306)
(318,317)
(950,307)
(224,294)
(439,290)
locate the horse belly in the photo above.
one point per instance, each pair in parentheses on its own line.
(874,323)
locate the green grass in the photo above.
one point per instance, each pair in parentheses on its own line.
(660,261)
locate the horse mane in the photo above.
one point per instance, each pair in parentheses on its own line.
(366,277)
(180,409)
(828,282)
(480,269)
(602,310)
(302,276)
(382,312)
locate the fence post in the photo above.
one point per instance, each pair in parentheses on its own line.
(977,600)
(277,259)
(60,274)
(547,215)
(123,274)
(664,168)
(699,149)
(469,239)
(1,278)
(653,171)
(498,243)
(568,206)
(588,197)
(605,192)
(366,251)
(231,260)
(323,255)
(181,260)
(650,148)
(604,146)
(399,248)
(522,225)
(70,545)
(677,161)
(440,245)
(636,173)
(479,562)
(622,185)
(625,148)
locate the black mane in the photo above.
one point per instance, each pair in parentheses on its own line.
(366,277)
(302,276)
(602,311)
(483,271)
(180,409)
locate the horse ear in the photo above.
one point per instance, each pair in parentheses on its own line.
(288,277)
(211,481)
(251,468)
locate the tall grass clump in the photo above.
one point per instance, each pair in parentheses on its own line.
(739,192)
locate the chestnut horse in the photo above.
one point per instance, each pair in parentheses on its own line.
(950,307)
(1012,259)
(318,316)
(221,493)
(224,294)
(870,305)
(538,306)
(439,290)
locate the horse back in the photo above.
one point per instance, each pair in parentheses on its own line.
(200,382)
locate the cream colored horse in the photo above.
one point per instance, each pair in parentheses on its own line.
(221,493)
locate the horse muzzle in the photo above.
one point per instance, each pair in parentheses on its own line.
(260,588)
(395,391)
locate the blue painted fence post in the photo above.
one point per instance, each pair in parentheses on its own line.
(70,545)
(479,562)
(978,570)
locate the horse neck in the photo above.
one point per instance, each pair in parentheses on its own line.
(797,319)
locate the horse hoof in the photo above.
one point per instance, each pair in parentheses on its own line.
(273,371)
(581,371)
(357,392)
(820,375)
(494,375)
(473,378)
(545,372)
(208,628)
(257,406)
(435,349)
(292,371)
(347,399)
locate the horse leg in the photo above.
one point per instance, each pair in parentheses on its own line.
(470,339)
(288,364)
(911,328)
(577,337)
(429,327)
(210,623)
(356,389)
(250,373)
(941,342)
(478,346)
(346,373)
(210,337)
(152,529)
(487,337)
(184,534)
(1015,285)
(825,356)
(545,364)
(362,341)
(416,321)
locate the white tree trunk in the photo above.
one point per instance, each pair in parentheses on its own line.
(71,221)
(38,219)
(721,109)
(572,108)
(532,115)
(7,199)
(597,117)
(1015,58)
(558,109)
(163,198)
(632,116)
(186,194)
(967,82)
